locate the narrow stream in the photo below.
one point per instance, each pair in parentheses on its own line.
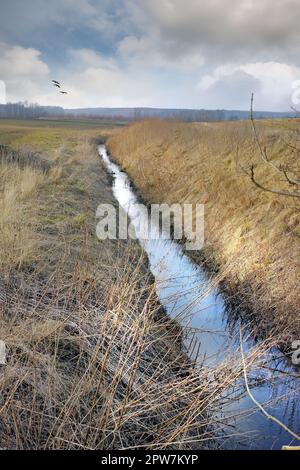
(187,295)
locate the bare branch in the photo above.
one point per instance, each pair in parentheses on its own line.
(262,150)
(275,191)
(267,415)
(295,109)
(291,146)
(291,180)
(264,156)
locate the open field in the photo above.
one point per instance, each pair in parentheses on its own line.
(43,135)
(252,235)
(73,124)
(92,360)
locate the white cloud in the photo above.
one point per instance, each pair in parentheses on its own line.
(85,58)
(23,71)
(272,83)
(145,51)
(159,53)
(90,78)
(223,29)
(21,62)
(93,79)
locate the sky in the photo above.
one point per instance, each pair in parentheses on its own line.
(155,53)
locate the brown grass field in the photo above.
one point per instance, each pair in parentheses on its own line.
(92,360)
(252,236)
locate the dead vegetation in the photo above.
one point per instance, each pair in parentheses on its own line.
(252,236)
(92,360)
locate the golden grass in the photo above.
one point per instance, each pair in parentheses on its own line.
(17,241)
(252,236)
(92,360)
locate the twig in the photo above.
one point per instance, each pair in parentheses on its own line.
(268,416)
(264,157)
(275,191)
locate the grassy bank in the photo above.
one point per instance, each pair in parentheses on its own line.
(252,236)
(92,361)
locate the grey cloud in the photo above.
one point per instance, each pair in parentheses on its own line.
(231,91)
(39,20)
(218,29)
(168,44)
(231,28)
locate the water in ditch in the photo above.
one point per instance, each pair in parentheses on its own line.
(189,296)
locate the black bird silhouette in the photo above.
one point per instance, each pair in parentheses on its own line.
(57,84)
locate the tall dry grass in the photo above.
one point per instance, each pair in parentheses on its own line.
(92,360)
(17,242)
(252,236)
(102,369)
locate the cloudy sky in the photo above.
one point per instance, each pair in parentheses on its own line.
(164,53)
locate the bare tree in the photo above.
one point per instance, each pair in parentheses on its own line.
(288,174)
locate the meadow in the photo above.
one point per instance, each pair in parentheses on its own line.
(92,362)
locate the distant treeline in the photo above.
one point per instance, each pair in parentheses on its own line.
(34,111)
(29,111)
(195,115)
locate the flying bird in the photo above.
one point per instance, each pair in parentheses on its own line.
(58,85)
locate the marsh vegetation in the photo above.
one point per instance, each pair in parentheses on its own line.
(252,235)
(93,362)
